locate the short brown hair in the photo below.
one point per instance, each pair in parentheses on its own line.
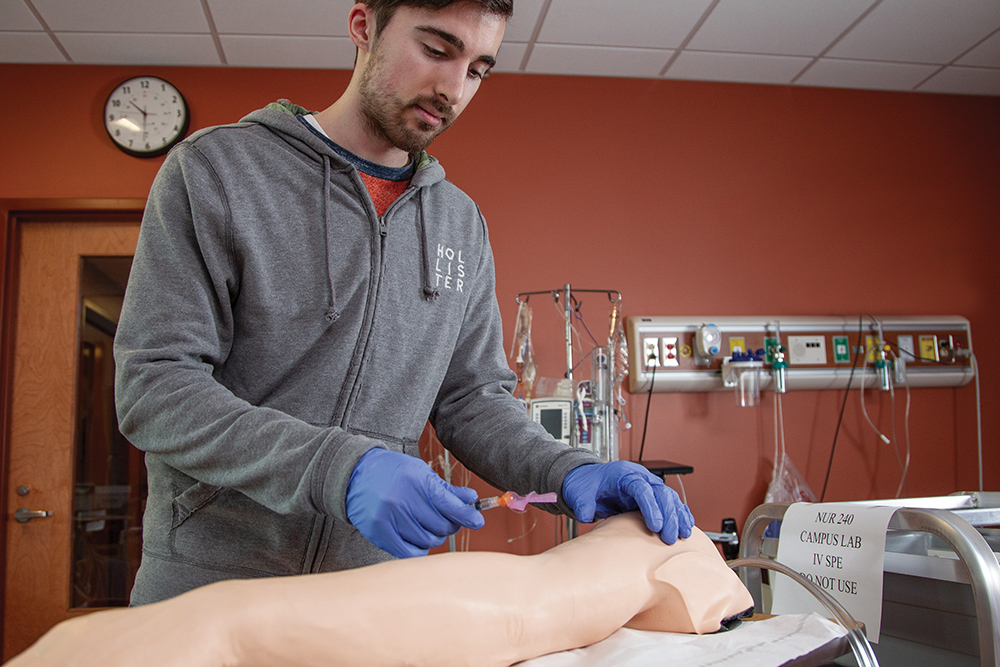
(384,9)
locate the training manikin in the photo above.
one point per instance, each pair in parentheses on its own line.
(475,608)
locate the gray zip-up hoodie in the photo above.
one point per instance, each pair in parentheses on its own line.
(275,329)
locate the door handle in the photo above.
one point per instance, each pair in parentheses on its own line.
(24,515)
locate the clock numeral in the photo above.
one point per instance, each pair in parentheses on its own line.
(116,103)
(144,84)
(126,90)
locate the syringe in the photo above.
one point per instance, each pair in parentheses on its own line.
(514,501)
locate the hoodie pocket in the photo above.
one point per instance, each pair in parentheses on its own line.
(193,499)
(221,529)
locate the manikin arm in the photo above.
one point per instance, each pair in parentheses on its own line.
(473,608)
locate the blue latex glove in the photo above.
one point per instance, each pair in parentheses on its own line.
(400,505)
(596,491)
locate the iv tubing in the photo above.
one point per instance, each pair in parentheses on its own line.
(862,649)
(906,432)
(861,392)
(979,420)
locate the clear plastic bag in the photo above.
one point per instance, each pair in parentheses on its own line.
(787,483)
(523,353)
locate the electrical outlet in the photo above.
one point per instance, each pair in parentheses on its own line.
(651,352)
(946,349)
(670,351)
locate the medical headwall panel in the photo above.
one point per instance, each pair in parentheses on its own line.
(699,354)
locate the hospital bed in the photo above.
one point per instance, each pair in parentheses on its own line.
(941,590)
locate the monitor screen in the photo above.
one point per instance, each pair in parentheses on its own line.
(551,420)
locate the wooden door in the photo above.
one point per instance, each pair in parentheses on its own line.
(59,369)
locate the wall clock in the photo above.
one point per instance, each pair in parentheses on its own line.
(145,116)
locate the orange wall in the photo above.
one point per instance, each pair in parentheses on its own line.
(691,199)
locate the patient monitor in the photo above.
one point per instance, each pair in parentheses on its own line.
(554,415)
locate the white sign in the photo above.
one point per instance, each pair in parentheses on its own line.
(840,547)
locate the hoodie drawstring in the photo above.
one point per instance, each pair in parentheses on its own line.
(430,292)
(331,312)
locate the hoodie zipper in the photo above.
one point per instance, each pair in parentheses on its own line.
(378,257)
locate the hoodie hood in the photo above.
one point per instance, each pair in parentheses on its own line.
(280,117)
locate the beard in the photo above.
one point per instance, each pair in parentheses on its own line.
(384,112)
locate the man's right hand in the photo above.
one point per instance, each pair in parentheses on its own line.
(401,506)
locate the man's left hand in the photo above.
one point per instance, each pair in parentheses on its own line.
(596,491)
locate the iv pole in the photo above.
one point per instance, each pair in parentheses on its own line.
(567,294)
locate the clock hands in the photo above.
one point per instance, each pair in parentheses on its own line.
(144,115)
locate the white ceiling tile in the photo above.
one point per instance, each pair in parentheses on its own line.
(641,23)
(28,47)
(177,16)
(521,26)
(293,17)
(986,54)
(923,31)
(746,68)
(865,74)
(780,27)
(965,81)
(15,15)
(510,57)
(136,49)
(285,51)
(760,41)
(596,61)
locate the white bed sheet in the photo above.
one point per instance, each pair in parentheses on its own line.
(764,643)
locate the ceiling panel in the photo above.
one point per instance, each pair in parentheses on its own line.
(645,23)
(985,54)
(781,27)
(866,74)
(943,46)
(179,16)
(30,47)
(15,15)
(965,80)
(741,67)
(928,31)
(269,51)
(510,57)
(138,49)
(297,17)
(597,61)
(522,25)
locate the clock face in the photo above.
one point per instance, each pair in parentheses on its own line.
(145,116)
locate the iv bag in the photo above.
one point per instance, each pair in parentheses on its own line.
(787,485)
(522,351)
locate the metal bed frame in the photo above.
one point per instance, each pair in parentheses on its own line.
(955,519)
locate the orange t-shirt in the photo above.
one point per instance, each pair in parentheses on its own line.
(383,191)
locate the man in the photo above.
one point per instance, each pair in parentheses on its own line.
(307,291)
